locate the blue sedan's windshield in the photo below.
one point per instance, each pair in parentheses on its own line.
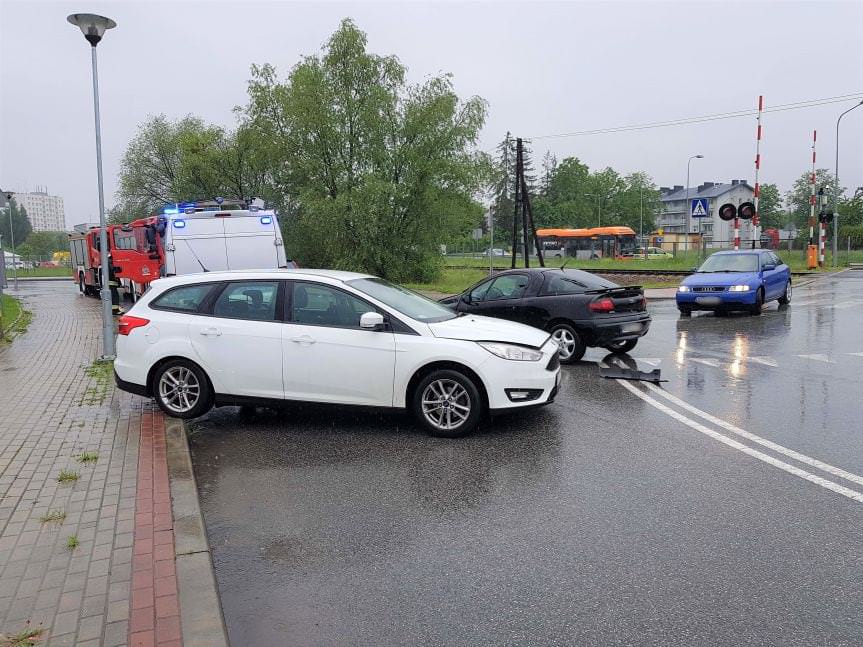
(730,263)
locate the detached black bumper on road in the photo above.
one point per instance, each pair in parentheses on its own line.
(599,332)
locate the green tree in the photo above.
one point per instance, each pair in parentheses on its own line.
(187,160)
(797,199)
(45,243)
(21,226)
(372,174)
(770,210)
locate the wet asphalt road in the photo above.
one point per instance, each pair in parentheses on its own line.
(604,519)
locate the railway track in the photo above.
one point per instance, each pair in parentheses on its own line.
(656,272)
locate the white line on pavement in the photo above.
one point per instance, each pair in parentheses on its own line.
(707,362)
(856,354)
(796,471)
(818,357)
(779,449)
(767,361)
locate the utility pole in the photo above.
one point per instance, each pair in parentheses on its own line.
(12,239)
(686,223)
(836,188)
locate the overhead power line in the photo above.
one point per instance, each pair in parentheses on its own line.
(811,103)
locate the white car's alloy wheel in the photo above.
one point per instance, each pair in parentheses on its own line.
(446,404)
(179,389)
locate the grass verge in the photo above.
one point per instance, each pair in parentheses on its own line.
(15,319)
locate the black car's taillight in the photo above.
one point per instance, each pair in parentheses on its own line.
(602,305)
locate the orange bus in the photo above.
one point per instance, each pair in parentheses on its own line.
(597,242)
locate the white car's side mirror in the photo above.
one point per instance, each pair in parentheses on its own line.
(372,321)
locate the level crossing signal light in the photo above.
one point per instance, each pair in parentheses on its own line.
(825,217)
(728,211)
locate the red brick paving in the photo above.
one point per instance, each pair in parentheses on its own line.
(155,609)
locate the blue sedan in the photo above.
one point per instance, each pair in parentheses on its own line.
(743,280)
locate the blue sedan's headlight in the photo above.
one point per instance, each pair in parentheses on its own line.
(683,288)
(739,288)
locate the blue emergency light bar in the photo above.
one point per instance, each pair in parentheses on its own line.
(179,224)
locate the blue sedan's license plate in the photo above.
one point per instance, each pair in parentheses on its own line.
(708,301)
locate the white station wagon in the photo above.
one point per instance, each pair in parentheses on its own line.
(264,337)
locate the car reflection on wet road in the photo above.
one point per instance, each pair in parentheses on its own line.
(603,519)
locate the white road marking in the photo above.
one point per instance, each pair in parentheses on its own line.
(767,361)
(654,361)
(790,453)
(848,304)
(856,354)
(754,453)
(818,357)
(706,362)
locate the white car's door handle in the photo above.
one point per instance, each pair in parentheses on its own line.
(211,332)
(303,339)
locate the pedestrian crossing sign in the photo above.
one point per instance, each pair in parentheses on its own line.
(698,208)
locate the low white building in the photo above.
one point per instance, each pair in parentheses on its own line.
(45,211)
(716,232)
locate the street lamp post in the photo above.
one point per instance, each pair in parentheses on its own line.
(12,238)
(836,187)
(598,207)
(94,27)
(687,224)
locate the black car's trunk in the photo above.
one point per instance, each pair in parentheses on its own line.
(623,299)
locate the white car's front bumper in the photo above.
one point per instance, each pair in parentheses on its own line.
(514,385)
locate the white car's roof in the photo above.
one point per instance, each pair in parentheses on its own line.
(233,275)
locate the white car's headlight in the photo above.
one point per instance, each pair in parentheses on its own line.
(739,288)
(511,351)
(683,288)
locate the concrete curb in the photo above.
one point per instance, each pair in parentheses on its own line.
(819,277)
(200,609)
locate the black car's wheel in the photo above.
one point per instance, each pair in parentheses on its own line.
(571,346)
(182,390)
(622,346)
(785,299)
(447,403)
(755,308)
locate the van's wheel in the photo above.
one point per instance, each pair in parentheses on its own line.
(182,390)
(785,299)
(755,308)
(447,403)
(570,345)
(622,346)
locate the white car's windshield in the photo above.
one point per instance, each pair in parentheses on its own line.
(403,300)
(730,263)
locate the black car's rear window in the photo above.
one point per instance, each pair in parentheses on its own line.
(572,282)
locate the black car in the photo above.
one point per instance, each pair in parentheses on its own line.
(578,308)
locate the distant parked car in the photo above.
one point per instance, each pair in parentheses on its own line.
(495,252)
(653,252)
(578,308)
(264,337)
(741,280)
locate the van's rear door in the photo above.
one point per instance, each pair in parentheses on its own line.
(199,245)
(251,242)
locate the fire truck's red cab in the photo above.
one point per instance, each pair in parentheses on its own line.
(135,251)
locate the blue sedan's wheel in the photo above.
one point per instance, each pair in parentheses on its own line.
(755,308)
(785,299)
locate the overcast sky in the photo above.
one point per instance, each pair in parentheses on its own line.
(544,68)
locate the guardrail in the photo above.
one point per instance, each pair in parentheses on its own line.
(644,272)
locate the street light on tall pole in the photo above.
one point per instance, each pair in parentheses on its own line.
(94,27)
(9,197)
(836,187)
(598,207)
(687,224)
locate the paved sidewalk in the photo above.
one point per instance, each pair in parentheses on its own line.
(118,586)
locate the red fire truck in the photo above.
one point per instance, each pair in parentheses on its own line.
(136,261)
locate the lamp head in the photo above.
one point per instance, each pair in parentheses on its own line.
(91,25)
